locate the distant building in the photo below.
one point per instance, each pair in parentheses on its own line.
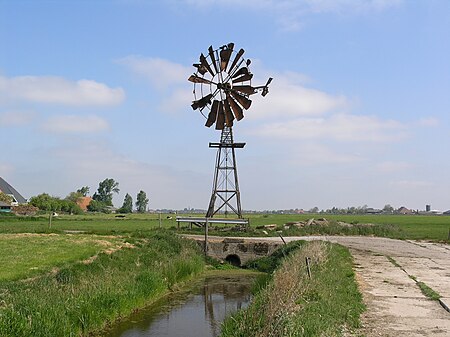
(446,212)
(111,209)
(404,210)
(4,207)
(371,210)
(84,202)
(427,208)
(11,191)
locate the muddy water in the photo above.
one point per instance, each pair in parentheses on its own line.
(197,312)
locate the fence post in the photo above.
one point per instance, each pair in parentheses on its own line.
(308,266)
(206,237)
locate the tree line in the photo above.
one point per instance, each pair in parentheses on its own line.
(101,200)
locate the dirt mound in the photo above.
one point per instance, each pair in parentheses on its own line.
(318,222)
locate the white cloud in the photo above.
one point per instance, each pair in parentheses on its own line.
(289,14)
(75,124)
(411,184)
(287,98)
(307,154)
(169,78)
(58,90)
(393,166)
(178,100)
(340,127)
(161,73)
(349,6)
(16,118)
(428,122)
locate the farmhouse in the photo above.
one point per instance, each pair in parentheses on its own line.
(11,191)
(84,202)
(404,210)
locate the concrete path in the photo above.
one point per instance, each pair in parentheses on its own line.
(388,272)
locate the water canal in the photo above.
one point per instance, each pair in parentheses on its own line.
(197,311)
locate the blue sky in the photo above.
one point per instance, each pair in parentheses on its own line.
(357,112)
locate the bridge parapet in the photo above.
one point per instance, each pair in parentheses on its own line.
(237,251)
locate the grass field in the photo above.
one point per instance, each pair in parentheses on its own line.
(406,226)
(26,255)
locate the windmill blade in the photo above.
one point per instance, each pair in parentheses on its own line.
(225,55)
(201,103)
(197,79)
(213,58)
(243,78)
(201,69)
(220,117)
(205,64)
(242,71)
(212,114)
(237,110)
(245,89)
(228,114)
(242,100)
(236,59)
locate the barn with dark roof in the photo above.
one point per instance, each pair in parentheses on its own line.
(12,192)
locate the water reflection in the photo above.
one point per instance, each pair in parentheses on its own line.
(198,312)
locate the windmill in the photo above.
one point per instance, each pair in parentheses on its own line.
(222,87)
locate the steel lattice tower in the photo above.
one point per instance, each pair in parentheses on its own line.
(225,192)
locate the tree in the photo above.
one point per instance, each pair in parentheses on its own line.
(141,202)
(127,206)
(314,210)
(97,206)
(84,191)
(74,196)
(46,202)
(388,209)
(6,198)
(105,191)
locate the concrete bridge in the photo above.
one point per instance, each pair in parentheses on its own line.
(237,251)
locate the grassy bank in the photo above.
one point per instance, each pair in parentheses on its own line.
(292,304)
(78,298)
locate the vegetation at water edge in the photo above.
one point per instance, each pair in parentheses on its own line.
(78,298)
(292,304)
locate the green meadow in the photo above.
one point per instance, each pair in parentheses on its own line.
(26,255)
(418,227)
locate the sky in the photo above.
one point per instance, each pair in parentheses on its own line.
(357,113)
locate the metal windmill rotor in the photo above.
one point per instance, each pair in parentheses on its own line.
(222,87)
